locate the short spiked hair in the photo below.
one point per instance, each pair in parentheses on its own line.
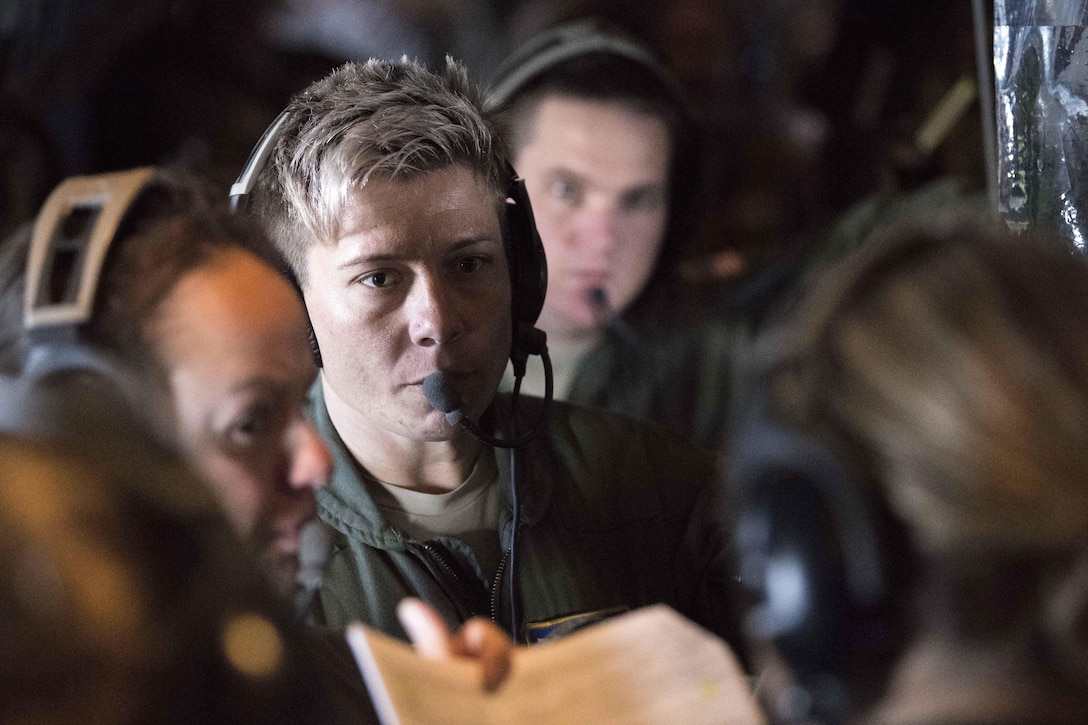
(394,120)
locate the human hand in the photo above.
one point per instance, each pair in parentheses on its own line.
(479,639)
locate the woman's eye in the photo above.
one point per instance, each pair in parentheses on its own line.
(378,280)
(250,427)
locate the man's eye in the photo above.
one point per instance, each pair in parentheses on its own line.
(644,200)
(566,189)
(469,265)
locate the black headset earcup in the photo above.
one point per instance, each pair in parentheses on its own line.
(798,540)
(525,253)
(814,542)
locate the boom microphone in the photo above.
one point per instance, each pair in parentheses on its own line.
(442,397)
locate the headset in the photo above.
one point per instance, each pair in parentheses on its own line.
(69,389)
(815,541)
(560,44)
(530,66)
(68,251)
(826,565)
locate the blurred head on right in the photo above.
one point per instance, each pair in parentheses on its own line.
(911,469)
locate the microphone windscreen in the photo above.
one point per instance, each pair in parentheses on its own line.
(314,544)
(314,550)
(442,397)
(314,547)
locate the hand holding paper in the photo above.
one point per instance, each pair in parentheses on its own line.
(648,666)
(479,639)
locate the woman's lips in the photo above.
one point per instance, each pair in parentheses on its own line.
(453,376)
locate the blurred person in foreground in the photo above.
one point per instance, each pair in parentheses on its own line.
(610,153)
(911,467)
(124,594)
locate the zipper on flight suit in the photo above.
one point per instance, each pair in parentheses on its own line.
(496,587)
(458,585)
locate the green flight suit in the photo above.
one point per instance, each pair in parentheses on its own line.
(615,514)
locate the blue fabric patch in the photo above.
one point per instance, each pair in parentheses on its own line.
(536,632)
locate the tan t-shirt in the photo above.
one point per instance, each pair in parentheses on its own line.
(470,512)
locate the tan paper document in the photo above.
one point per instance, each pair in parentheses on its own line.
(647,666)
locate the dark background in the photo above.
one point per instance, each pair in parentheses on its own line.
(808,105)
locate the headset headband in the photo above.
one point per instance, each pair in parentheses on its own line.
(257,159)
(68,247)
(562,44)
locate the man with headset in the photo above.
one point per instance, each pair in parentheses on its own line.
(386,187)
(609,151)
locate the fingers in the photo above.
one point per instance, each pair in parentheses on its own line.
(483,641)
(426,629)
(478,639)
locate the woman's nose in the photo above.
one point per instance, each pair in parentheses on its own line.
(311,462)
(432,314)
